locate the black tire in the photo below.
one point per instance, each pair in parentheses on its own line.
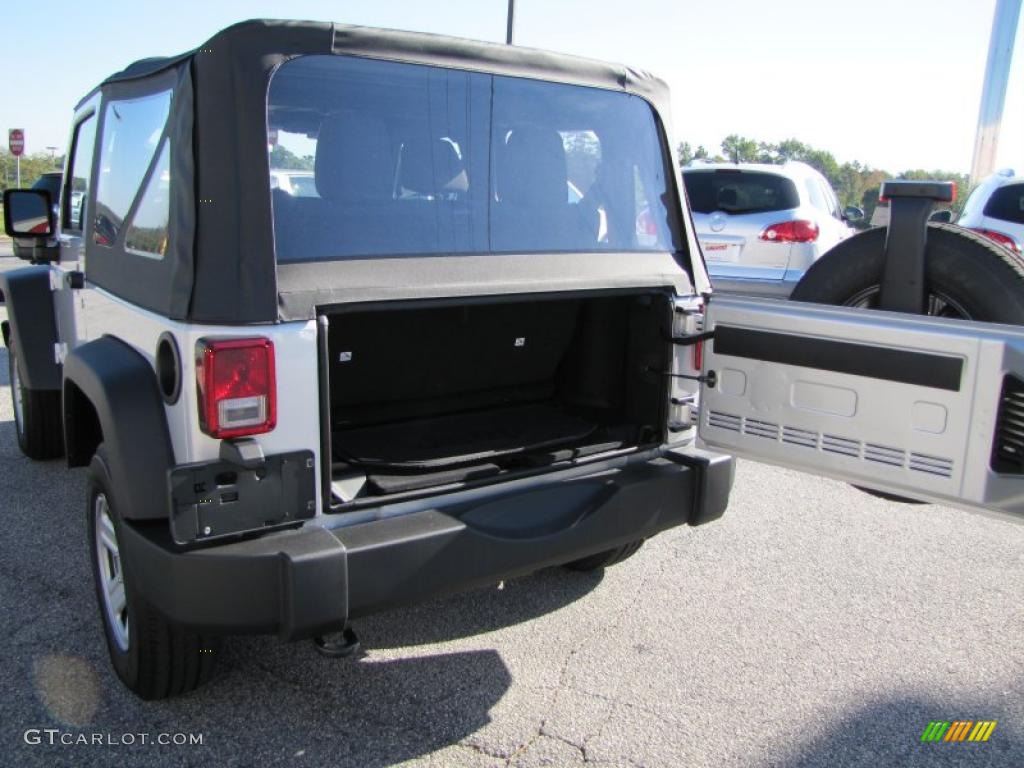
(38,421)
(152,655)
(607,558)
(966,276)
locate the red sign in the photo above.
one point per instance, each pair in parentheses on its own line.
(16,141)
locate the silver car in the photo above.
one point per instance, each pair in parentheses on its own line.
(761,226)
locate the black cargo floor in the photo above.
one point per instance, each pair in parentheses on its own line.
(459,439)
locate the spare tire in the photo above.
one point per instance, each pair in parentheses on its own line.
(966,276)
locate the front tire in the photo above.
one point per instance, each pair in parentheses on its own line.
(37,415)
(153,656)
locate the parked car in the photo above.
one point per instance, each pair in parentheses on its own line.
(995,209)
(294,183)
(296,411)
(29,249)
(760,226)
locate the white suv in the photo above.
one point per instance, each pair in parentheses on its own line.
(760,226)
(995,209)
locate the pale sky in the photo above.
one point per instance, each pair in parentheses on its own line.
(892,83)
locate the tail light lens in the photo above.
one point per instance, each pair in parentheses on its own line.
(236,386)
(798,231)
(1004,240)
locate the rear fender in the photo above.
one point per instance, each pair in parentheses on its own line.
(108,383)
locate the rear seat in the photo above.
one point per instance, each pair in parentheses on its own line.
(357,213)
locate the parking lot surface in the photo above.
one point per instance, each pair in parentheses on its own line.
(812,626)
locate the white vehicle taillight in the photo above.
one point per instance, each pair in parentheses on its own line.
(998,237)
(798,231)
(236,386)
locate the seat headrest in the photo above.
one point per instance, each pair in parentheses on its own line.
(727,196)
(531,167)
(353,159)
(431,167)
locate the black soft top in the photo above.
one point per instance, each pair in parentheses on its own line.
(221,266)
(285,38)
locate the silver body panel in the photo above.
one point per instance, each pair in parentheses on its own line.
(913,439)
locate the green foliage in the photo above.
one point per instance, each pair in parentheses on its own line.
(281,157)
(854,183)
(32,167)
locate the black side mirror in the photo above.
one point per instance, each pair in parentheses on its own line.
(945,216)
(28,213)
(852,213)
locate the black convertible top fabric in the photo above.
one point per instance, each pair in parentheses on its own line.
(234,276)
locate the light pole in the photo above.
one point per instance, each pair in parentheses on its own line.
(993,89)
(511,21)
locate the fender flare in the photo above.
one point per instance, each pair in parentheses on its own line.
(121,387)
(32,325)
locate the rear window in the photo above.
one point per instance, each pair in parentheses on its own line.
(739,192)
(1007,203)
(410,159)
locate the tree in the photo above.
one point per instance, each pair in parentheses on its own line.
(685,152)
(739,149)
(284,158)
(32,167)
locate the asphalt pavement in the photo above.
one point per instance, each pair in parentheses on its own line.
(812,626)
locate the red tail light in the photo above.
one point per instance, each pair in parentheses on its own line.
(698,355)
(1004,240)
(798,231)
(236,386)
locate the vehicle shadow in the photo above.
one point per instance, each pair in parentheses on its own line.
(889,732)
(478,611)
(428,699)
(410,695)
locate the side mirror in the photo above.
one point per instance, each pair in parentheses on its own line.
(28,213)
(945,216)
(852,213)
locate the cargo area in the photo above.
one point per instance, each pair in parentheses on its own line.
(429,395)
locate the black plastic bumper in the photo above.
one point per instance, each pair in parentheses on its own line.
(311,581)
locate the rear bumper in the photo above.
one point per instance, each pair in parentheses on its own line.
(309,581)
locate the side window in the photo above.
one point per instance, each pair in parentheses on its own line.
(147,233)
(132,129)
(77,188)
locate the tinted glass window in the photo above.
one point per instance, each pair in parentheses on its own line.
(132,128)
(147,234)
(49,182)
(412,159)
(739,191)
(81,170)
(1007,203)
